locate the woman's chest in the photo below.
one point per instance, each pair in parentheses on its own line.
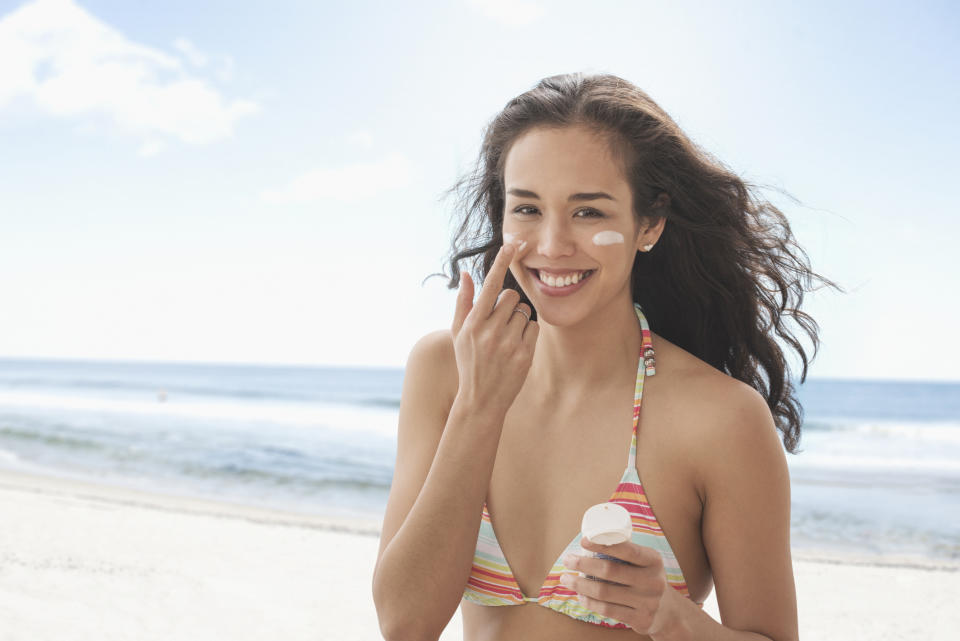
(552,465)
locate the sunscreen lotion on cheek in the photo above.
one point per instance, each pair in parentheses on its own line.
(509,239)
(607,237)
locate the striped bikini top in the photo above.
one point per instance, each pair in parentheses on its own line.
(492,581)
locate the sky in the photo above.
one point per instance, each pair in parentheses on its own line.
(263,183)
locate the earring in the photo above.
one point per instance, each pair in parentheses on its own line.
(647,248)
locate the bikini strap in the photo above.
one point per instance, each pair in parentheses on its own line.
(642,371)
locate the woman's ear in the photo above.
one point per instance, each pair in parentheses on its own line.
(655,222)
(662,200)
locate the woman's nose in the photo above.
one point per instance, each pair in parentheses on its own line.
(554,238)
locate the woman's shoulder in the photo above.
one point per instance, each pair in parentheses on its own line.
(714,405)
(715,420)
(701,385)
(434,356)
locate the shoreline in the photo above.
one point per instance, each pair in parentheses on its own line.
(116,562)
(223,508)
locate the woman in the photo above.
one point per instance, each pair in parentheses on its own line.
(619,263)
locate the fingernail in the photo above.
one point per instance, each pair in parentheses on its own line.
(522,245)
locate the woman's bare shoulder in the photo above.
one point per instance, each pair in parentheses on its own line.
(710,405)
(434,351)
(699,385)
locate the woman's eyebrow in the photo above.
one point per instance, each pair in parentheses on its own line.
(593,195)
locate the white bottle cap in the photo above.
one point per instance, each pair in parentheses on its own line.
(607,523)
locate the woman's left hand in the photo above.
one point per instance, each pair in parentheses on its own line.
(643,599)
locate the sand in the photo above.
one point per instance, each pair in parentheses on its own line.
(84,561)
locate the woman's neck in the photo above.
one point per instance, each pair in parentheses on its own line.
(597,352)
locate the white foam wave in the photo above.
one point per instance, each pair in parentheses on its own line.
(926,432)
(850,462)
(347,418)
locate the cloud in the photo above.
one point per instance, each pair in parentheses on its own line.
(150,148)
(190,52)
(225,73)
(349,183)
(509,12)
(69,64)
(361,138)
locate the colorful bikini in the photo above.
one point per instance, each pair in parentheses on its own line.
(492,581)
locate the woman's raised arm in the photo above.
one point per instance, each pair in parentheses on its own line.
(445,456)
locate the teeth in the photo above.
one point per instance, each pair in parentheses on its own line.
(563,281)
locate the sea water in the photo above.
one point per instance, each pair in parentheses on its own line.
(878,472)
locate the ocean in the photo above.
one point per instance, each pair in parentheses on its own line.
(879,471)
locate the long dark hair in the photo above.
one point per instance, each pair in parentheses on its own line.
(726,270)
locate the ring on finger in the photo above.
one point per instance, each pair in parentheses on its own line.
(520,309)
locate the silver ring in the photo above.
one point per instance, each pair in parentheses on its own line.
(519,309)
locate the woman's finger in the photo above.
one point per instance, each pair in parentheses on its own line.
(628,551)
(604,569)
(519,319)
(530,333)
(464,302)
(493,283)
(507,301)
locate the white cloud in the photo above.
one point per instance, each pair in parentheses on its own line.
(349,183)
(150,148)
(190,52)
(361,138)
(225,72)
(72,65)
(509,12)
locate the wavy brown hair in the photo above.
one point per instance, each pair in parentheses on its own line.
(726,271)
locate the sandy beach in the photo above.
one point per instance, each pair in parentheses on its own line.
(84,561)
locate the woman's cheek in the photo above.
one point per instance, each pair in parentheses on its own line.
(511,238)
(601,238)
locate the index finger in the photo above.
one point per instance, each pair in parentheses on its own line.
(493,282)
(627,551)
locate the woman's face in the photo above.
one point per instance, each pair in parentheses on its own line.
(567,198)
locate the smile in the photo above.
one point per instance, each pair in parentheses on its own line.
(560,284)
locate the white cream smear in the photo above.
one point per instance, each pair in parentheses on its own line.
(511,239)
(607,237)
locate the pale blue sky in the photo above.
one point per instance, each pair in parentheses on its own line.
(222,182)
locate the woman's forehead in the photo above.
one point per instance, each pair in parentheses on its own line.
(553,162)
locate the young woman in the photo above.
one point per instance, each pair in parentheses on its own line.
(622,268)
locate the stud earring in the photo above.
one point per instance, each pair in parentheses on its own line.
(647,248)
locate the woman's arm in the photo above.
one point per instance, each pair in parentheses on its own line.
(445,457)
(746,529)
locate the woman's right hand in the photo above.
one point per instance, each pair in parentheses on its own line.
(494,344)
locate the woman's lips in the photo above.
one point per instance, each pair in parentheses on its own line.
(558,291)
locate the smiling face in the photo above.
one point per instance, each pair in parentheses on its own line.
(567,197)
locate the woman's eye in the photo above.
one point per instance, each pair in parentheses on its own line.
(592,213)
(587,213)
